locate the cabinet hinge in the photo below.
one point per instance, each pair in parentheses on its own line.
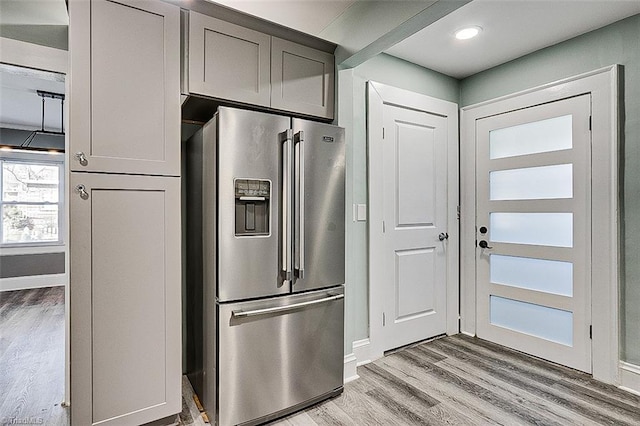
(384,322)
(590,123)
(384,229)
(383,133)
(458,212)
(590,332)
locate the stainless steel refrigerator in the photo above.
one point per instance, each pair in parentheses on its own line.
(265,226)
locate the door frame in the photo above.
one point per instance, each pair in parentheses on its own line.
(603,85)
(379,95)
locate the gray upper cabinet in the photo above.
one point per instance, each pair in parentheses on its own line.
(301,79)
(230,62)
(227,61)
(125,117)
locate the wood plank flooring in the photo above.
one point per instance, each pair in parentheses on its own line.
(455,380)
(32,357)
(460,380)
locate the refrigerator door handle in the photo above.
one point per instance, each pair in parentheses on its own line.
(287,220)
(278,309)
(299,195)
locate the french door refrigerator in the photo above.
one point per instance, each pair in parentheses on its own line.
(270,190)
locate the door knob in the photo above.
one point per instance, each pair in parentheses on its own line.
(82,159)
(483,244)
(82,191)
(443,236)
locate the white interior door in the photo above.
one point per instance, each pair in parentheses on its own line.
(533,252)
(415,225)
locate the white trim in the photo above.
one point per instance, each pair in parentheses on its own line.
(630,377)
(362,351)
(350,372)
(17,251)
(378,95)
(31,55)
(35,281)
(603,86)
(360,355)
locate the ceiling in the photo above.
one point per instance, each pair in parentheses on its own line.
(511,28)
(33,12)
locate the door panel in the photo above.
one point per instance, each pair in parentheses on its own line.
(250,148)
(533,221)
(415,281)
(301,79)
(228,61)
(126,83)
(416,180)
(124,234)
(139,279)
(415,207)
(319,237)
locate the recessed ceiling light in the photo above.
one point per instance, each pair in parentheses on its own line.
(467,33)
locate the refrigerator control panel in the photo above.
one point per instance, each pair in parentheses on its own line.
(253,205)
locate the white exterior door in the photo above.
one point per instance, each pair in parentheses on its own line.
(414,152)
(533,251)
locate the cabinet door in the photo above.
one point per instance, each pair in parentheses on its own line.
(301,79)
(125,298)
(125,87)
(228,61)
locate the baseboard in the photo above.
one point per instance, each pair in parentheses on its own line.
(350,372)
(359,356)
(362,351)
(630,377)
(37,281)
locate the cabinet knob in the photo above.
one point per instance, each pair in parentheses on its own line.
(82,159)
(81,190)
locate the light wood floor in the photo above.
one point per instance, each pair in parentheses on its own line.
(461,380)
(454,380)
(32,357)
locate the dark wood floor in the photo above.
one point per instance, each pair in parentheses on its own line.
(461,380)
(32,324)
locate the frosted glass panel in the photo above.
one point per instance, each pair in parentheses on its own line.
(547,323)
(549,276)
(532,183)
(553,134)
(539,229)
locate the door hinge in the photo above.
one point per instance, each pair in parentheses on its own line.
(384,228)
(590,332)
(384,322)
(458,212)
(383,133)
(590,122)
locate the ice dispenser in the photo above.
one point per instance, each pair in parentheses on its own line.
(252,206)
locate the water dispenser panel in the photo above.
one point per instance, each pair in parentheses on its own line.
(253,205)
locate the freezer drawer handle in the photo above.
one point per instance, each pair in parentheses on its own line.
(265,311)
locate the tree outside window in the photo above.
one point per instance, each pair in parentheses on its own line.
(31,201)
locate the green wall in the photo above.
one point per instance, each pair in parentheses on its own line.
(618,43)
(352,109)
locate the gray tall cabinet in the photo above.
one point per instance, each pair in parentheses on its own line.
(124,161)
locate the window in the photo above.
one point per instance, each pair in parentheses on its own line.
(31,202)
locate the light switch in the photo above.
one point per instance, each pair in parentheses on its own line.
(361,212)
